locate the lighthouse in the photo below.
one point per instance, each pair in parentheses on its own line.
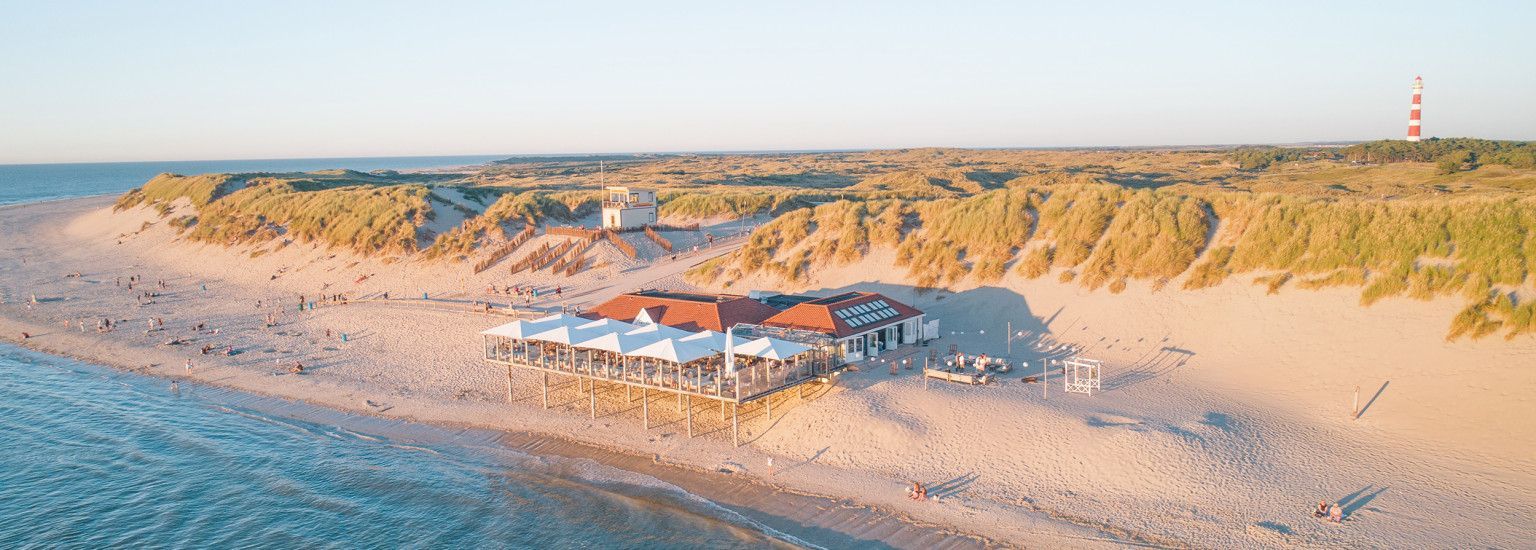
(1413,111)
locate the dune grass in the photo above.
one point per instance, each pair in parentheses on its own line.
(167,188)
(491,226)
(1153,236)
(1273,281)
(1037,262)
(704,204)
(1105,235)
(976,236)
(363,218)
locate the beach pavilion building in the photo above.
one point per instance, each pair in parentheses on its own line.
(859,325)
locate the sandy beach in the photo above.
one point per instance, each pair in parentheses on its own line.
(1226,414)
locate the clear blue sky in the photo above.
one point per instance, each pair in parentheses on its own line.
(215,80)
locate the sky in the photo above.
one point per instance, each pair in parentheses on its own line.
(121,81)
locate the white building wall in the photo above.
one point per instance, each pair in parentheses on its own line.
(909,335)
(628,218)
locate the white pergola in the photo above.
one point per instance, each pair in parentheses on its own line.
(653,356)
(1082,375)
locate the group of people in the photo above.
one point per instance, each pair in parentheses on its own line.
(527,293)
(980,362)
(1333,513)
(918,492)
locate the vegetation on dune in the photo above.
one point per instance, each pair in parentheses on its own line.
(1454,154)
(167,188)
(1259,158)
(528,207)
(1075,217)
(1105,235)
(910,184)
(1153,236)
(1037,262)
(734,204)
(1393,219)
(1212,271)
(366,213)
(958,237)
(362,218)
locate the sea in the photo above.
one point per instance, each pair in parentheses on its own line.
(33,182)
(93,457)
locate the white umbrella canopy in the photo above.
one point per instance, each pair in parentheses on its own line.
(771,348)
(708,338)
(615,342)
(674,350)
(564,335)
(561,319)
(607,325)
(521,329)
(658,331)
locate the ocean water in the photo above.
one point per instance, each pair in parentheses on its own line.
(33,182)
(96,458)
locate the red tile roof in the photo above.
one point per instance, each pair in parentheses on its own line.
(685,310)
(820,316)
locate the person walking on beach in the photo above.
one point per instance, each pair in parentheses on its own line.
(189,365)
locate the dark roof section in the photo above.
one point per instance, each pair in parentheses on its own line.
(845,314)
(786,301)
(688,296)
(835,299)
(685,310)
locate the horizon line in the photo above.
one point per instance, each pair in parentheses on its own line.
(578,155)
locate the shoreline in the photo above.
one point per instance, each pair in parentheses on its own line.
(781,509)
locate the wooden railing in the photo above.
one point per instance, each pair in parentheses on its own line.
(531,260)
(589,235)
(506,249)
(661,241)
(628,249)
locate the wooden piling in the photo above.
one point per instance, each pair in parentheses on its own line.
(735,427)
(645,406)
(546,390)
(592,396)
(690,417)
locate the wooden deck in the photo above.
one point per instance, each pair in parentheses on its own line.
(756,380)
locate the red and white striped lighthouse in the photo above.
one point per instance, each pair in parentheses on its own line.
(1413,112)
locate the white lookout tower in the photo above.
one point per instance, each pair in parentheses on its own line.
(628,207)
